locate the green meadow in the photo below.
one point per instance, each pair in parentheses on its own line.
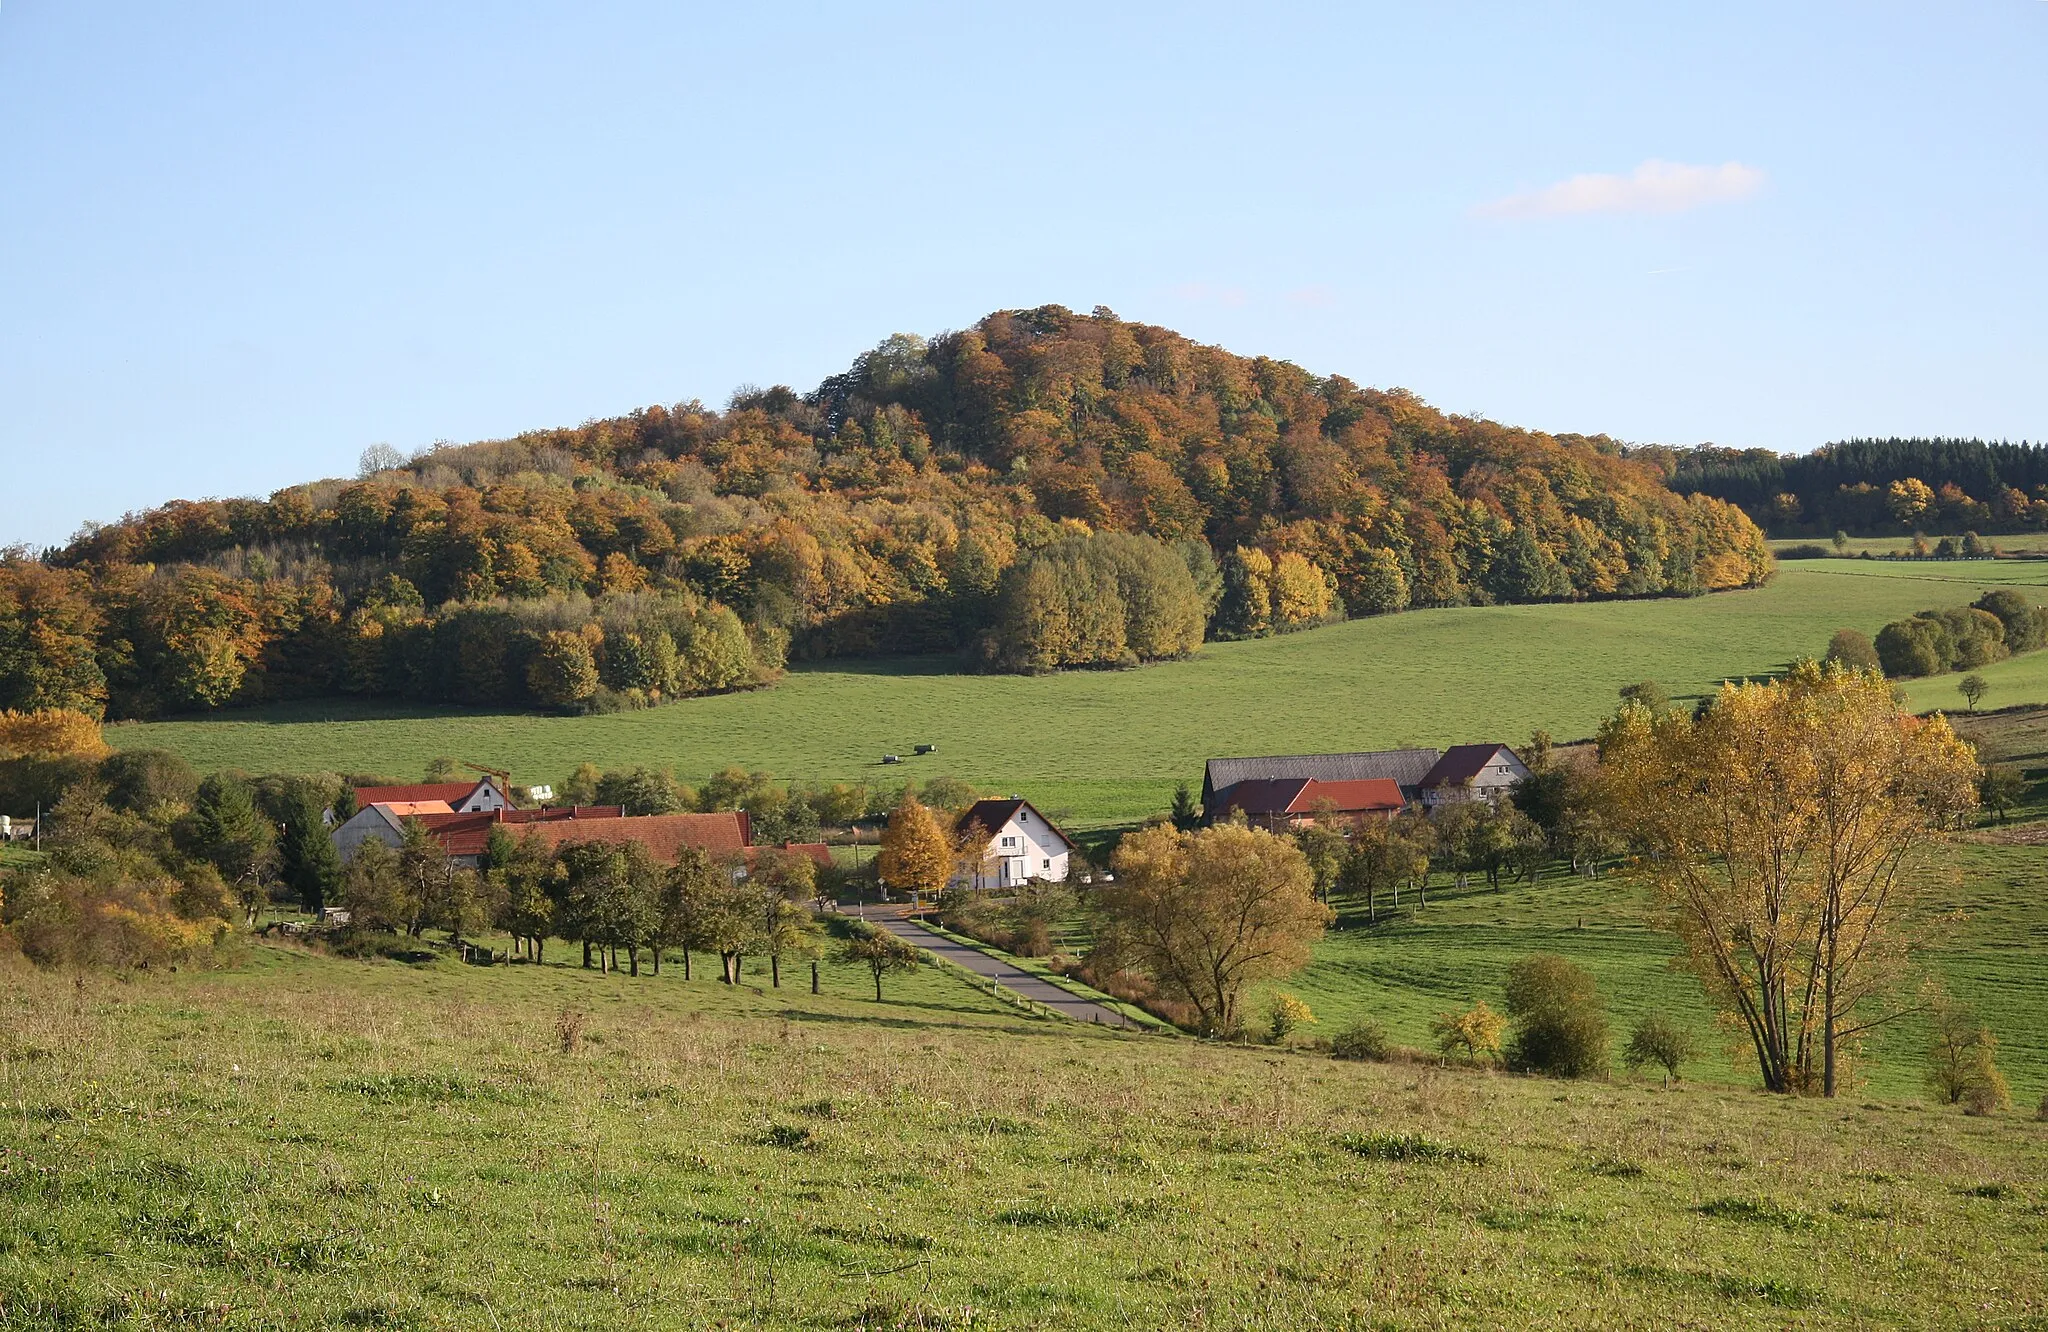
(1108,746)
(300,1141)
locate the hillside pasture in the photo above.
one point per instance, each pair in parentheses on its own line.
(308,1142)
(1104,747)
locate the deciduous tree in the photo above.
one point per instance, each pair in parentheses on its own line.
(1210,913)
(1787,830)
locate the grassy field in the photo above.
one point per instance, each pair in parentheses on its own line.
(1106,747)
(1987,950)
(308,1142)
(2014,543)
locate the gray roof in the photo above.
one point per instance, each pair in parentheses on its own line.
(1406,766)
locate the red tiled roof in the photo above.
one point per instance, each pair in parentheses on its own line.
(1301,795)
(454,793)
(664,835)
(819,853)
(466,834)
(1366,794)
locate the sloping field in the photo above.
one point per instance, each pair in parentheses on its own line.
(1109,746)
(306,1142)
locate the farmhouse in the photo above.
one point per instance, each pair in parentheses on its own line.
(1280,803)
(1404,767)
(1472,772)
(1017,844)
(474,797)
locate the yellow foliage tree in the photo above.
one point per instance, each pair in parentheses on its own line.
(917,856)
(1476,1031)
(49,733)
(1786,830)
(1209,913)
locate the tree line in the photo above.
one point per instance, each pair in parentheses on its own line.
(938,496)
(1872,486)
(1999,624)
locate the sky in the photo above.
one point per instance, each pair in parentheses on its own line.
(239,243)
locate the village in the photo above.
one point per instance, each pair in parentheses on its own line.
(1001,843)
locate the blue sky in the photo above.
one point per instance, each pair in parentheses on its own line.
(239,243)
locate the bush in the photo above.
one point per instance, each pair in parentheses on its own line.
(1476,1032)
(1660,1041)
(1363,1039)
(1853,650)
(1805,552)
(1285,1015)
(1558,1025)
(1915,647)
(1962,1066)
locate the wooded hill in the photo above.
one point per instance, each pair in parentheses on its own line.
(1044,489)
(1872,486)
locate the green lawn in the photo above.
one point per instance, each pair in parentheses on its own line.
(1105,747)
(307,1142)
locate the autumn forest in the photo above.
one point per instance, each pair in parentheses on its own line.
(1044,490)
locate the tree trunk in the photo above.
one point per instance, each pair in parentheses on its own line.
(657,959)
(540,949)
(775,970)
(814,978)
(878,985)
(633,957)
(686,964)
(586,954)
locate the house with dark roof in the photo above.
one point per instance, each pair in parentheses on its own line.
(1403,767)
(1007,843)
(1471,772)
(1279,804)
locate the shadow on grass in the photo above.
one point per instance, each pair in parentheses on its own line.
(1046,1028)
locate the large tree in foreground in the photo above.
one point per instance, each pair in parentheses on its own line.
(1787,831)
(1207,914)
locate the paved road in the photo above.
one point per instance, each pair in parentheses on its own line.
(1022,982)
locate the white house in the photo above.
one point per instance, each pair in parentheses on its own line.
(1471,772)
(1019,844)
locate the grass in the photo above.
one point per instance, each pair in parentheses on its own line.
(1107,747)
(307,1142)
(1991,931)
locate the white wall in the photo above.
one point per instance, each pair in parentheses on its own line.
(1045,853)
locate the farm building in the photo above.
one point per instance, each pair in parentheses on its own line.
(1018,844)
(477,797)
(1472,772)
(1404,767)
(1280,803)
(461,834)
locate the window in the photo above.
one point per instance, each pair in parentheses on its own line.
(1009,842)
(1048,864)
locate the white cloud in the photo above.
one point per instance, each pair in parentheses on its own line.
(1653,187)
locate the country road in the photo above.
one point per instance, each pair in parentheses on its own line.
(1034,988)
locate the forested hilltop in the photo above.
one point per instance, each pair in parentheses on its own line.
(1042,490)
(1869,487)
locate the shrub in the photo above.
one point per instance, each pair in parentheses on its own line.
(1285,1015)
(569,1030)
(1660,1041)
(2026,625)
(1559,1028)
(1363,1039)
(1852,650)
(1962,1065)
(1805,552)
(1914,647)
(1476,1031)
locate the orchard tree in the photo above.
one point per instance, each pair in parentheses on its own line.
(1973,687)
(880,952)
